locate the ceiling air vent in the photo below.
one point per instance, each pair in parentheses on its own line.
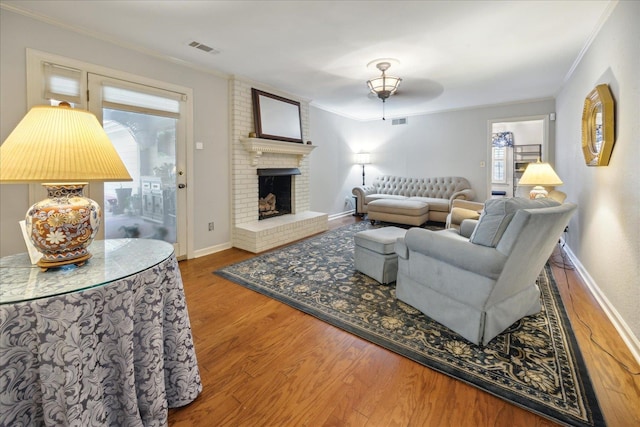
(203,47)
(402,121)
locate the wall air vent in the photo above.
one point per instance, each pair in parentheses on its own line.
(203,47)
(402,121)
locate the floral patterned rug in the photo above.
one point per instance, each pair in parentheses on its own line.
(536,364)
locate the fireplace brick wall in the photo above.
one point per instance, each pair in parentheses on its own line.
(248,232)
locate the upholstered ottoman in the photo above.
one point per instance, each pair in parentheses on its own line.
(375,255)
(409,212)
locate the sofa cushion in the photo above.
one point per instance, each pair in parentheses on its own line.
(399,207)
(497,215)
(437,205)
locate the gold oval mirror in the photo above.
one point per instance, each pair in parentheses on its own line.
(598,126)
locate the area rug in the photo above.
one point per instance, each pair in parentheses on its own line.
(536,364)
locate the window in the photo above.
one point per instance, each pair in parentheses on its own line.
(62,83)
(498,162)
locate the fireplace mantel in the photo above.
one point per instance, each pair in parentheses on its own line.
(257,146)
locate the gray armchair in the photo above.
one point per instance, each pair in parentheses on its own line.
(479,286)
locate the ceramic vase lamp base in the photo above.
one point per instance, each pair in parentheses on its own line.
(63,225)
(538,192)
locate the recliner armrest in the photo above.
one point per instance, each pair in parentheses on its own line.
(460,253)
(401,248)
(467,226)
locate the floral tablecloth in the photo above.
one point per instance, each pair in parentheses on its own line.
(118,354)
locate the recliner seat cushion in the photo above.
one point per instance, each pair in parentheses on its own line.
(497,215)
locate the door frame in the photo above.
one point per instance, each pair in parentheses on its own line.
(35,90)
(546,141)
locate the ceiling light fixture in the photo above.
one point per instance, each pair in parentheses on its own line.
(384,86)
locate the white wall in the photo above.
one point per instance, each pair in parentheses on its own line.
(441,144)
(333,173)
(605,232)
(211,166)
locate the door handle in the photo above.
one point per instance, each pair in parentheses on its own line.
(182,185)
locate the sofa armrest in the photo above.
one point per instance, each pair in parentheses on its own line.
(467,204)
(457,252)
(361,192)
(458,215)
(466,194)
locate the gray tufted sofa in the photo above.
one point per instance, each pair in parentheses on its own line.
(411,201)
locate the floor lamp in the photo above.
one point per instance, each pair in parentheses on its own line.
(363,159)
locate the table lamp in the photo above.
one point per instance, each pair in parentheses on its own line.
(363,159)
(65,148)
(540,175)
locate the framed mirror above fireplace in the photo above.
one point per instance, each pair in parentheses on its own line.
(276,117)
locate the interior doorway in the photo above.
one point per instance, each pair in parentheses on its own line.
(512,144)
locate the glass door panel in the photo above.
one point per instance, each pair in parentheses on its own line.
(145,207)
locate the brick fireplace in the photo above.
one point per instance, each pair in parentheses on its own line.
(249,155)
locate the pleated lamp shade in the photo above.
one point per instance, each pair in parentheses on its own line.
(540,174)
(60,144)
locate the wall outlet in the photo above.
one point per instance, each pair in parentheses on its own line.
(211,226)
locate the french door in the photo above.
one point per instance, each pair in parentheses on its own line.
(147,122)
(147,128)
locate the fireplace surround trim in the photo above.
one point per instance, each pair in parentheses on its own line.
(257,146)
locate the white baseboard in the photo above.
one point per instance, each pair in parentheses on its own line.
(341,214)
(621,326)
(212,249)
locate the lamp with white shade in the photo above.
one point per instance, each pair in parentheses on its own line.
(539,175)
(65,148)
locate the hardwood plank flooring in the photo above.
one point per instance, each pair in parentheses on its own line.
(264,363)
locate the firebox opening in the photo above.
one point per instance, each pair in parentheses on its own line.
(274,192)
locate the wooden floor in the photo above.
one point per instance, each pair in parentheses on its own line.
(266,364)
